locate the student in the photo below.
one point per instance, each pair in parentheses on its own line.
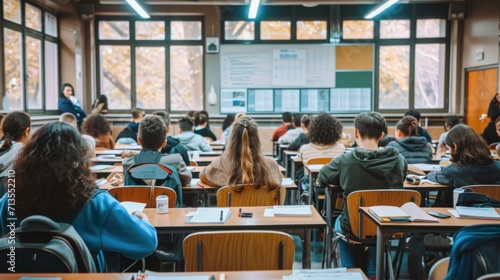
(303,137)
(366,167)
(129,134)
(286,119)
(414,148)
(191,141)
(489,133)
(16,127)
(292,134)
(226,126)
(173,145)
(71,119)
(420,131)
(243,162)
(53,179)
(497,128)
(450,122)
(69,104)
(324,133)
(202,128)
(100,105)
(98,127)
(152,137)
(471,162)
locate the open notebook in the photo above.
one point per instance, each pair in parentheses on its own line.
(409,212)
(292,210)
(209,215)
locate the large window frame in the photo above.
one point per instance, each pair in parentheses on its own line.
(134,43)
(28,33)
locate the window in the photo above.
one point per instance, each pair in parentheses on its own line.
(51,76)
(429,75)
(33,18)
(34,78)
(394,29)
(431,28)
(239,30)
(357,29)
(394,77)
(311,30)
(13,49)
(12,10)
(134,72)
(275,30)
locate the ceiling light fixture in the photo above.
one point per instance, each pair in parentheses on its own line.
(254,7)
(380,8)
(137,8)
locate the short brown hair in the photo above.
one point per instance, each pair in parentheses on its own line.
(137,112)
(152,132)
(370,125)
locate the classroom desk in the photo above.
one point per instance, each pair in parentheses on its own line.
(127,147)
(287,155)
(386,230)
(174,222)
(313,171)
(425,167)
(231,275)
(117,167)
(106,159)
(103,151)
(281,155)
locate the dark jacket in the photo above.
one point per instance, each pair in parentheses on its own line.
(66,106)
(127,132)
(423,132)
(364,170)
(414,149)
(490,134)
(206,132)
(134,126)
(458,176)
(175,147)
(301,140)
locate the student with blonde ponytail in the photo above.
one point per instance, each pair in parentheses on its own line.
(412,146)
(243,162)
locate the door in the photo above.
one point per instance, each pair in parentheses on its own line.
(481,87)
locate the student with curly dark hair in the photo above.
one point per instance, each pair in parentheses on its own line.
(324,133)
(98,127)
(53,179)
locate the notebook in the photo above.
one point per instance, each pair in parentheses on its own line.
(133,206)
(409,212)
(292,210)
(477,212)
(209,215)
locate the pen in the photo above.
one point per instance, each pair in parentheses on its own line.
(239,213)
(221,215)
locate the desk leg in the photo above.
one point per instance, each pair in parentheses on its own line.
(287,171)
(381,241)
(306,250)
(310,188)
(329,227)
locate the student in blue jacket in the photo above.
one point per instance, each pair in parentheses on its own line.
(53,179)
(69,104)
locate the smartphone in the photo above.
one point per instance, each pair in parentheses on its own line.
(246,215)
(438,214)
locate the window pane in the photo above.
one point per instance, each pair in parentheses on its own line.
(394,77)
(239,30)
(50,25)
(150,77)
(13,99)
(429,75)
(431,28)
(394,29)
(113,30)
(150,30)
(33,18)
(311,30)
(357,29)
(34,57)
(185,30)
(186,76)
(12,10)
(51,76)
(115,75)
(275,30)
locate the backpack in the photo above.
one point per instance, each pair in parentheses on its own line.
(42,245)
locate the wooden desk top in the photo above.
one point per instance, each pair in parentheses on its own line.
(117,167)
(290,153)
(102,151)
(175,219)
(230,275)
(127,147)
(424,186)
(107,159)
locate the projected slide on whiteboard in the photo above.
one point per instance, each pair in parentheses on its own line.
(350,99)
(233,100)
(260,100)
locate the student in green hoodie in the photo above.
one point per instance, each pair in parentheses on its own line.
(366,167)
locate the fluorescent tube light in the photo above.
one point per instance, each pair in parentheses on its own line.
(137,8)
(254,7)
(380,8)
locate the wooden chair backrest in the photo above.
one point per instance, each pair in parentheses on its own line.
(193,163)
(250,196)
(319,160)
(492,276)
(361,225)
(492,191)
(238,250)
(143,194)
(439,269)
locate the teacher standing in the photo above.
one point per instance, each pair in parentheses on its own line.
(490,133)
(69,104)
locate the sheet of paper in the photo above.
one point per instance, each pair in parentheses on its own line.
(454,213)
(100,167)
(133,206)
(292,210)
(287,181)
(268,213)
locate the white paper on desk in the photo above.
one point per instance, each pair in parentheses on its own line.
(292,210)
(286,181)
(425,181)
(193,182)
(100,167)
(324,274)
(268,213)
(133,206)
(454,213)
(190,214)
(190,168)
(190,277)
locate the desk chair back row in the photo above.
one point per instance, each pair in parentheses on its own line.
(492,191)
(250,196)
(143,194)
(238,250)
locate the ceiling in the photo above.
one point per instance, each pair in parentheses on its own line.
(306,3)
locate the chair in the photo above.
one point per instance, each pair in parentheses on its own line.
(439,269)
(317,160)
(143,194)
(492,191)
(250,196)
(238,250)
(362,227)
(493,146)
(193,163)
(492,276)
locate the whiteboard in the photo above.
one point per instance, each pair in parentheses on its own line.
(277,66)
